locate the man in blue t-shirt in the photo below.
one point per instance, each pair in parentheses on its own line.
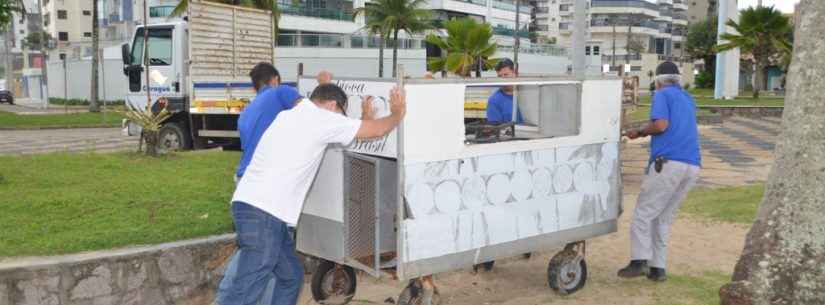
(272,98)
(500,104)
(672,171)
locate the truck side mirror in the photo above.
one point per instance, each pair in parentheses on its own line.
(126,54)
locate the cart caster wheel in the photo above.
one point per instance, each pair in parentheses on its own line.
(566,273)
(488,266)
(333,284)
(415,294)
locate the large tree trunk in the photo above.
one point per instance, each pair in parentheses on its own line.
(758,82)
(394,53)
(784,257)
(93,105)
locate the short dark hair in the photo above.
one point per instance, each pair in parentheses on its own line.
(262,73)
(505,63)
(330,92)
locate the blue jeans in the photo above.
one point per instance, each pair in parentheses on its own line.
(265,251)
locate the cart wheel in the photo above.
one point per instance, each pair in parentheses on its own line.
(414,294)
(566,273)
(488,266)
(333,284)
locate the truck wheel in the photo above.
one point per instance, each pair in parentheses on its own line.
(172,138)
(566,273)
(333,284)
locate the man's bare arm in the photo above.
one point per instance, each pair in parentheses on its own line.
(653,128)
(378,128)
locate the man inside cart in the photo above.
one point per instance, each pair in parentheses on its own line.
(269,199)
(500,104)
(672,171)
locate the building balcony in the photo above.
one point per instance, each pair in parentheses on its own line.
(324,13)
(638,7)
(342,41)
(511,6)
(680,5)
(504,31)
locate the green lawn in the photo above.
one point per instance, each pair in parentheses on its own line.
(735,205)
(14,121)
(740,101)
(64,203)
(690,290)
(642,113)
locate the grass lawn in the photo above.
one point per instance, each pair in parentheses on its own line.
(15,121)
(735,204)
(740,101)
(64,203)
(642,113)
(690,290)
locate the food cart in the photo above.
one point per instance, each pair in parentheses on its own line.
(443,192)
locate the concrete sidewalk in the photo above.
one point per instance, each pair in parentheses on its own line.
(37,107)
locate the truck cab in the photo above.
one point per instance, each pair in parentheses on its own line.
(200,66)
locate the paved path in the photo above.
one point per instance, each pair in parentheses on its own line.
(23,107)
(14,142)
(740,151)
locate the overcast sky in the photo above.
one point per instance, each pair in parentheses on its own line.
(786,6)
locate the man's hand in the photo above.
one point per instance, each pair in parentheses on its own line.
(367,112)
(324,77)
(398,102)
(633,134)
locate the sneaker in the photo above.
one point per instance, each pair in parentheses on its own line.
(636,268)
(657,274)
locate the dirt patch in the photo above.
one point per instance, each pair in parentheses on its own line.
(697,247)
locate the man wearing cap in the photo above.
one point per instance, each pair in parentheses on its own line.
(500,104)
(671,172)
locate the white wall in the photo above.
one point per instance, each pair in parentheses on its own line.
(113,84)
(346,62)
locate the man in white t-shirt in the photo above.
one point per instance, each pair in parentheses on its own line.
(270,196)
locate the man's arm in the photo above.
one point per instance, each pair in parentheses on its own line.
(651,129)
(380,127)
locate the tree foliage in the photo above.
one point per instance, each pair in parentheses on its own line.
(390,17)
(763,33)
(701,43)
(468,46)
(7,10)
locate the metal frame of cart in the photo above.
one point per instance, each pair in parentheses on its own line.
(432,197)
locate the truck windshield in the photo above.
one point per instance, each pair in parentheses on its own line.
(160,47)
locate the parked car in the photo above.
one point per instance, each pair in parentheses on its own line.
(5,94)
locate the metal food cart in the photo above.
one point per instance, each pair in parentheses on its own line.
(442,192)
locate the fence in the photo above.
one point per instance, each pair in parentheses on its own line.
(74,82)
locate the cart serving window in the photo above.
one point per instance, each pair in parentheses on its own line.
(446,190)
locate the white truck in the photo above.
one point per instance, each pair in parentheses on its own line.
(201,65)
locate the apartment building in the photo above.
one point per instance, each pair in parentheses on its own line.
(699,10)
(641,34)
(553,21)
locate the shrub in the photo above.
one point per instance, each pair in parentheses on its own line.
(81,102)
(705,80)
(686,86)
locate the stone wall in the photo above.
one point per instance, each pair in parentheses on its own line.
(184,272)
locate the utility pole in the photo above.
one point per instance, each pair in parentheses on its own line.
(579,39)
(516,36)
(9,63)
(44,68)
(613,22)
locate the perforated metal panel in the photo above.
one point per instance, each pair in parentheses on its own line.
(360,212)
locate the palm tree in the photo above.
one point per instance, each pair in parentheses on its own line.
(762,33)
(93,107)
(260,4)
(375,26)
(467,46)
(395,16)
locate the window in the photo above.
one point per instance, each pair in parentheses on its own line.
(677,45)
(160,11)
(62,15)
(541,111)
(564,7)
(63,36)
(596,50)
(87,34)
(160,47)
(62,56)
(22,32)
(587,50)
(87,13)
(635,68)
